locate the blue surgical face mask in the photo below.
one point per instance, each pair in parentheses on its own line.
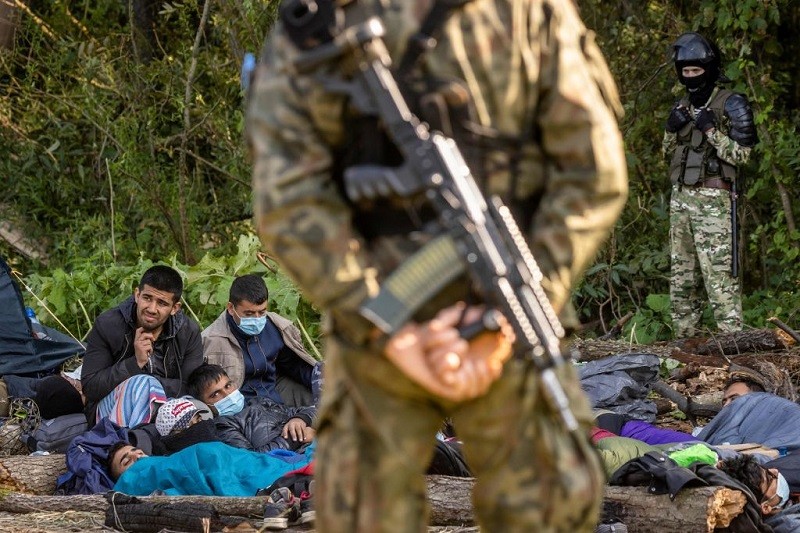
(230,404)
(252,325)
(783,491)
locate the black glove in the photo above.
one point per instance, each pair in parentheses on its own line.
(704,120)
(678,118)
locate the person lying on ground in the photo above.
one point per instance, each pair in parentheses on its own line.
(755,417)
(141,352)
(180,423)
(58,395)
(205,469)
(615,451)
(258,424)
(770,488)
(624,426)
(261,351)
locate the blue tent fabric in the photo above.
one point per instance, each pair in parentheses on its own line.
(757,417)
(20,351)
(209,469)
(86,458)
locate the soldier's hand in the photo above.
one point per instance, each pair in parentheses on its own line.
(678,118)
(705,120)
(142,346)
(487,352)
(435,356)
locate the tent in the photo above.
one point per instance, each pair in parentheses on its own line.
(22,352)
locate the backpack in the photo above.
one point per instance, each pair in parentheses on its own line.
(55,434)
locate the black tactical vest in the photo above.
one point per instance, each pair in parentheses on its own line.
(695,159)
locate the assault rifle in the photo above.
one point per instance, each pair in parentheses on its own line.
(477,236)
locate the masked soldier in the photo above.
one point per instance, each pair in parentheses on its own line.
(525,92)
(709,133)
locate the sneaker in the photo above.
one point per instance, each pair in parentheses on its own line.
(613,527)
(281,509)
(307,513)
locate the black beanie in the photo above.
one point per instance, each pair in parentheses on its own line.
(56,396)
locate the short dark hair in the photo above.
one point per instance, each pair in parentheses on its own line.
(163,278)
(117,446)
(745,469)
(202,376)
(751,384)
(251,288)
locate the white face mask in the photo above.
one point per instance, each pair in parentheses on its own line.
(783,491)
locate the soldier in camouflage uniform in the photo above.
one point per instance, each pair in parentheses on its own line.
(544,102)
(709,132)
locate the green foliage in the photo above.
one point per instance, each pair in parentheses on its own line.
(76,297)
(758,41)
(650,322)
(121,149)
(129,145)
(667,366)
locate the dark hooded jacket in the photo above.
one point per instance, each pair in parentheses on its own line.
(110,358)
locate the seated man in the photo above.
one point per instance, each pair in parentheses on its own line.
(258,424)
(140,352)
(262,352)
(206,469)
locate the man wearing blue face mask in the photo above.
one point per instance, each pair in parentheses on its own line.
(262,352)
(770,489)
(258,424)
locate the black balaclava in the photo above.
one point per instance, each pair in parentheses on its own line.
(693,50)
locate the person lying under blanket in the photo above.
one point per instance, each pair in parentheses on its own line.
(205,469)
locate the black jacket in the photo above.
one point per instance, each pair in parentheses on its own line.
(259,425)
(110,358)
(663,475)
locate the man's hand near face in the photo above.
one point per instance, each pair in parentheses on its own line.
(143,346)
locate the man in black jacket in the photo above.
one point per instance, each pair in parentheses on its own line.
(260,424)
(146,337)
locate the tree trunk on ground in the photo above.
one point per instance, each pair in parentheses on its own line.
(694,509)
(31,474)
(751,340)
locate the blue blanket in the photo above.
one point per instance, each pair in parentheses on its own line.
(210,469)
(758,417)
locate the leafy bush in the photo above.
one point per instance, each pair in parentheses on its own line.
(75,298)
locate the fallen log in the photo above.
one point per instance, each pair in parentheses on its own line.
(785,328)
(691,408)
(31,474)
(735,343)
(694,509)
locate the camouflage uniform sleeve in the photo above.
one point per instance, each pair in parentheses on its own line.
(668,144)
(727,149)
(587,181)
(301,217)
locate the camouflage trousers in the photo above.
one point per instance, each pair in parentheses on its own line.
(376,435)
(700,236)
